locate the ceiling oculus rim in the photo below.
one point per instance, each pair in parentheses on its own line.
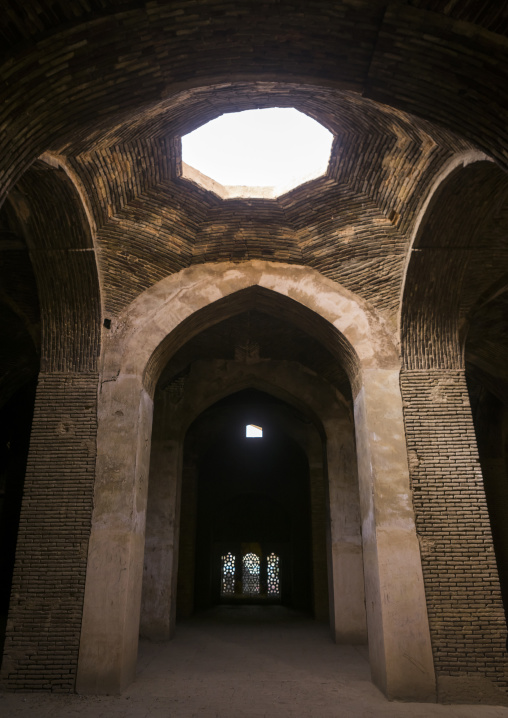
(261,153)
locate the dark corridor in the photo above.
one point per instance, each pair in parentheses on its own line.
(252,503)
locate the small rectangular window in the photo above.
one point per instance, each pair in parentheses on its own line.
(253,432)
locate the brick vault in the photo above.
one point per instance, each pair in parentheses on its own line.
(361,318)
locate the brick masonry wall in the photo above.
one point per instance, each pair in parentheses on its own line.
(43,630)
(63,259)
(110,89)
(457,257)
(466,616)
(352,225)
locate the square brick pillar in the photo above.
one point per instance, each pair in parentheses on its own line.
(111,611)
(44,622)
(399,640)
(466,614)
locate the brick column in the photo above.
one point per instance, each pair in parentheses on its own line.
(399,639)
(44,623)
(466,615)
(111,609)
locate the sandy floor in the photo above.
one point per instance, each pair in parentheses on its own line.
(237,661)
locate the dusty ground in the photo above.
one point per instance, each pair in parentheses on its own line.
(237,662)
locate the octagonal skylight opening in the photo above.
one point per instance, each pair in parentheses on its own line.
(256,153)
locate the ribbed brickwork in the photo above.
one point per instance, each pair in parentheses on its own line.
(464,604)
(74,71)
(238,230)
(492,17)
(411,70)
(22,23)
(353,224)
(109,87)
(459,253)
(137,166)
(63,258)
(43,630)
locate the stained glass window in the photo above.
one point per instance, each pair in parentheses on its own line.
(272,575)
(251,574)
(228,575)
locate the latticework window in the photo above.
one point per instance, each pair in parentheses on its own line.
(251,585)
(228,575)
(272,575)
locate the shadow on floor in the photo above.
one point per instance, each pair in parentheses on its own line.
(243,662)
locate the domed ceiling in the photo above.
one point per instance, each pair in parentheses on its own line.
(107,89)
(353,224)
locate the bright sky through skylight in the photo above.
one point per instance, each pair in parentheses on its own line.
(253,432)
(277,147)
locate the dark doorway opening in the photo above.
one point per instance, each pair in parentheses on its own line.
(15,426)
(252,501)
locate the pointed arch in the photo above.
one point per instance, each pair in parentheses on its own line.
(61,459)
(159,320)
(139,344)
(458,254)
(59,232)
(457,251)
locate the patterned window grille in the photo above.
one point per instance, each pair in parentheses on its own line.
(251,585)
(228,575)
(272,575)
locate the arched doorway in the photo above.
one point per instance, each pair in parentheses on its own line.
(155,326)
(50,322)
(253,501)
(311,413)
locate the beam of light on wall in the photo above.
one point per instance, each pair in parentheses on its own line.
(253,432)
(273,150)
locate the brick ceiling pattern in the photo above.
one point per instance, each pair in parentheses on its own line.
(108,89)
